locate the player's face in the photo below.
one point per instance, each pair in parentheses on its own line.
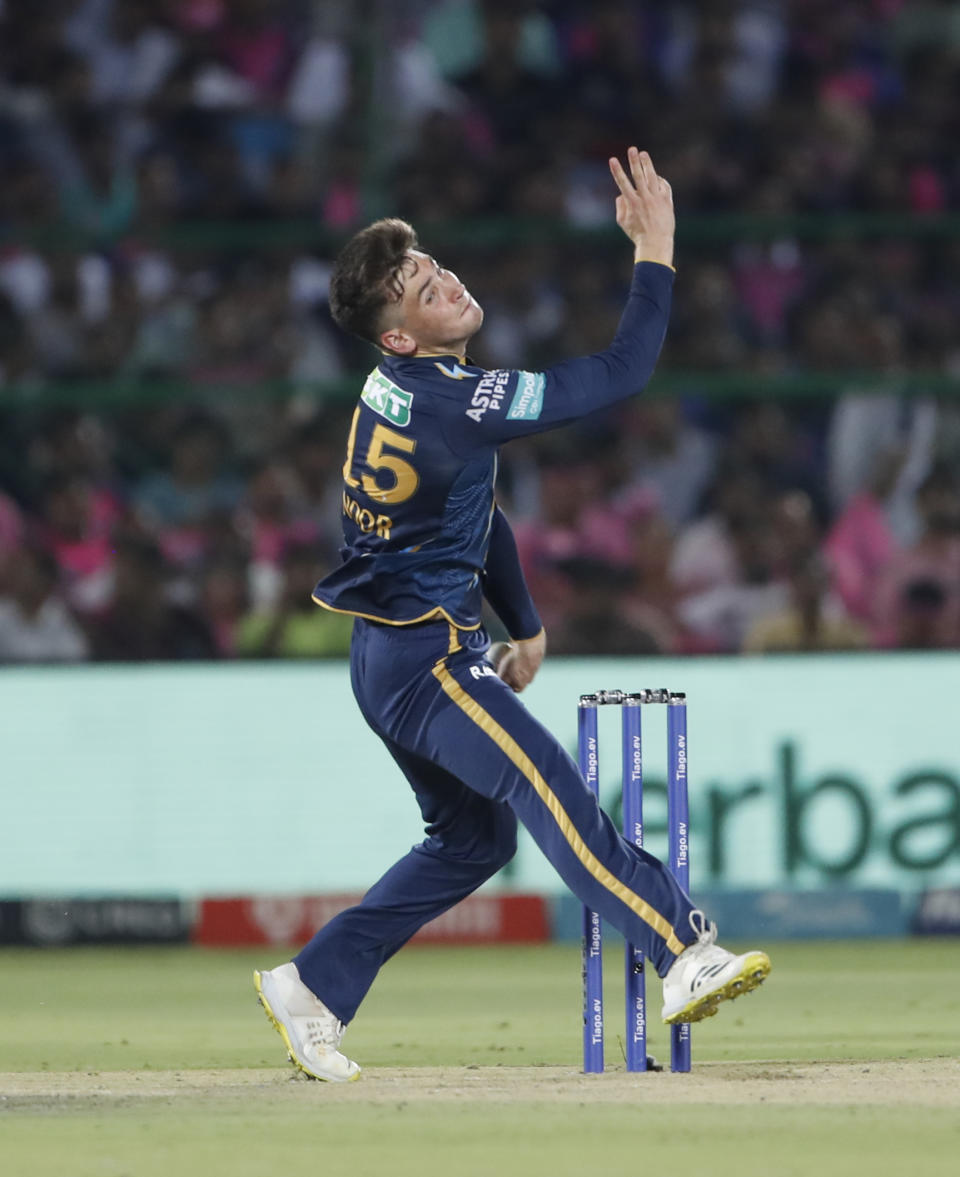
(436,314)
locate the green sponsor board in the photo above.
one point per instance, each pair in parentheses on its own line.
(249,778)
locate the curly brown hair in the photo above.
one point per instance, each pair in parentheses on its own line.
(367,276)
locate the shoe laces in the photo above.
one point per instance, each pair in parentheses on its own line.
(323,1032)
(705,929)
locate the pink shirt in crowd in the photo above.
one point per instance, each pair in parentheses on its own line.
(859,547)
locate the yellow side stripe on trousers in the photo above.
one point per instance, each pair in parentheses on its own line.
(484,720)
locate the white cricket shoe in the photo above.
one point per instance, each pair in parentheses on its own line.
(311,1032)
(705,974)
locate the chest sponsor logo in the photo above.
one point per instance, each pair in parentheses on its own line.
(385,398)
(527,403)
(489,394)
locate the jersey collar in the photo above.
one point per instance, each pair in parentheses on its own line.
(428,355)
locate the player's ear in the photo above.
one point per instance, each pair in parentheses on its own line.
(397,340)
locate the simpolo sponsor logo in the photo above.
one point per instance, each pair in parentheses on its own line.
(527,403)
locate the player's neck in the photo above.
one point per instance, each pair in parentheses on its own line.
(457,349)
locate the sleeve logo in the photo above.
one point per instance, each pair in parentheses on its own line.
(489,393)
(527,403)
(385,398)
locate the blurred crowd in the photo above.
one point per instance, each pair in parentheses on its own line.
(133,133)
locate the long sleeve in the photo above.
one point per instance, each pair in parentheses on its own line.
(508,403)
(504,585)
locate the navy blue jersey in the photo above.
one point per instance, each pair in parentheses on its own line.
(418,499)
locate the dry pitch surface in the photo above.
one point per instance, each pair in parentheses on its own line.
(931,1083)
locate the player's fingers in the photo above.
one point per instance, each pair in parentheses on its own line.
(506,669)
(642,168)
(497,653)
(513,673)
(623,182)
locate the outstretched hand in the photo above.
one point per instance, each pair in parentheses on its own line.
(645,208)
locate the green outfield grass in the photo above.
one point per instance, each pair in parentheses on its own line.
(70,1021)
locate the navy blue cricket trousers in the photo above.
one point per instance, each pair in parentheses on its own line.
(477,761)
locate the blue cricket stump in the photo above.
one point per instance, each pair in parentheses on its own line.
(632,804)
(592,941)
(678,822)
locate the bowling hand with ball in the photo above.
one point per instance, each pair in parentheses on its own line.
(517,662)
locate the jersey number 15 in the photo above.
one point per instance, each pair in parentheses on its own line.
(405,478)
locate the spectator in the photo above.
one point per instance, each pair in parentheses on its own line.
(723,615)
(705,555)
(295,627)
(933,559)
(270,523)
(141,623)
(316,459)
(11,534)
(573,524)
(887,442)
(921,617)
(225,600)
(76,526)
(129,50)
(597,622)
(672,457)
(651,604)
(35,624)
(183,504)
(813,620)
(176,139)
(861,544)
(56,326)
(777,447)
